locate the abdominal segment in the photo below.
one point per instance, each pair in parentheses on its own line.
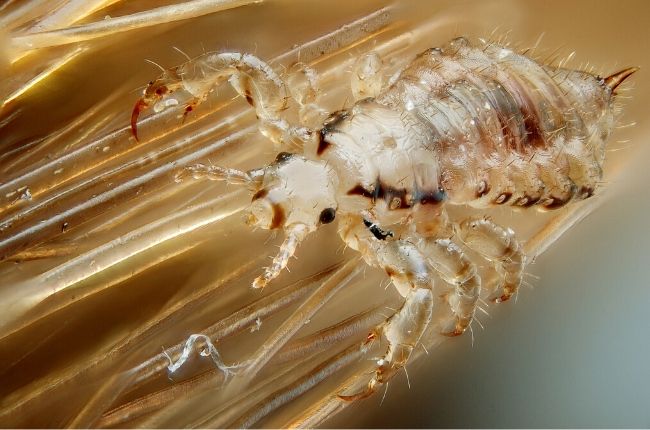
(473,124)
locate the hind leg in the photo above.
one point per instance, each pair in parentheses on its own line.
(433,235)
(455,268)
(499,246)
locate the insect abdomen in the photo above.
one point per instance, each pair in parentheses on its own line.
(506,129)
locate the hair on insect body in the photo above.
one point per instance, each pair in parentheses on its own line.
(467,124)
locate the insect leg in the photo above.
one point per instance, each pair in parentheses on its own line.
(252,78)
(455,268)
(402,331)
(401,259)
(412,276)
(367,76)
(302,82)
(499,246)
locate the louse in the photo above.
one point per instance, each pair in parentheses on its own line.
(468,124)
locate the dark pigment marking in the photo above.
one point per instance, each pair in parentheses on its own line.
(556,203)
(160,91)
(526,201)
(283,157)
(395,198)
(391,272)
(586,192)
(376,230)
(533,130)
(534,133)
(249,98)
(278,216)
(260,194)
(322,143)
(334,120)
(328,126)
(483,191)
(503,198)
(398,198)
(431,197)
(358,190)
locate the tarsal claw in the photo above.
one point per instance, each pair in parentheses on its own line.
(139,107)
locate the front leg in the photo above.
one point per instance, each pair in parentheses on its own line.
(499,246)
(252,78)
(401,259)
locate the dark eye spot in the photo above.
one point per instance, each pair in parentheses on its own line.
(327,216)
(282,157)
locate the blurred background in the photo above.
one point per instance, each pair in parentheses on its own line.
(571,352)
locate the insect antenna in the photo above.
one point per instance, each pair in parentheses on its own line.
(218,173)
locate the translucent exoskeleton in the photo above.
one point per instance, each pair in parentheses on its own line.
(469,124)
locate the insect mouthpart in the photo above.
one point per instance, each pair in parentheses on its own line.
(265,212)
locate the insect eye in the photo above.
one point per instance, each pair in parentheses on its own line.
(327,216)
(282,157)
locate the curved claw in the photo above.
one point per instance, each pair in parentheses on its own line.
(140,106)
(152,94)
(456,332)
(502,298)
(363,394)
(507,294)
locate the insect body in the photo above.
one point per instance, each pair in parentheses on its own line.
(466,124)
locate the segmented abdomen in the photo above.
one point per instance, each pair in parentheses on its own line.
(506,129)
